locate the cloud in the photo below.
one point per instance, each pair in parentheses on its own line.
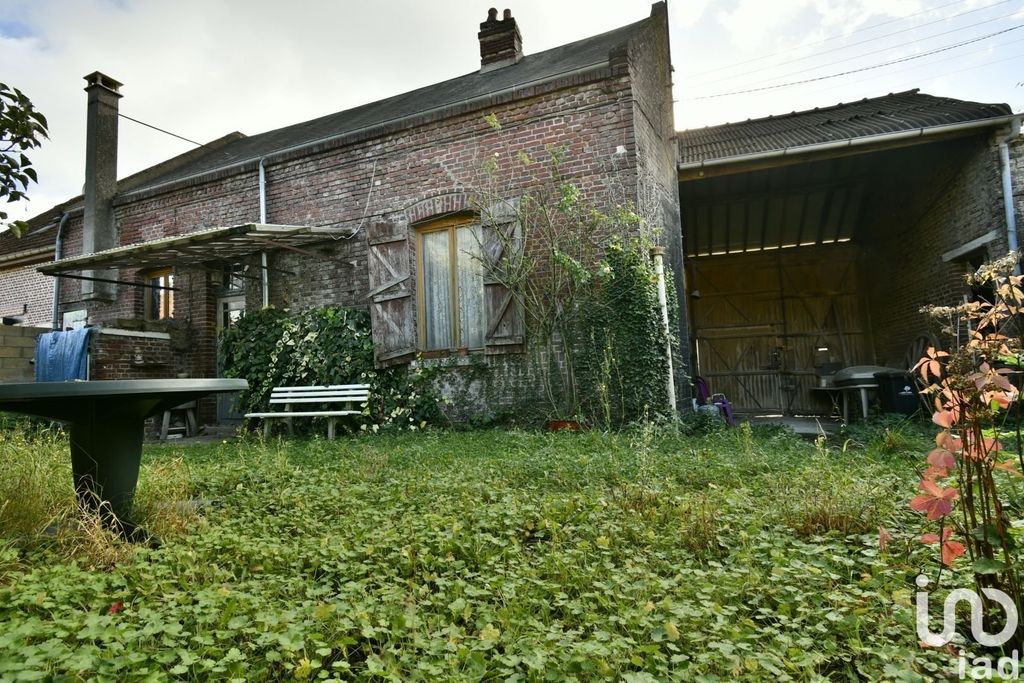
(203,69)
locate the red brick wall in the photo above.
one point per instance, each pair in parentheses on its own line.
(903,264)
(376,176)
(21,287)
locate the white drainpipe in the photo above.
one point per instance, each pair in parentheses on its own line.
(658,254)
(1007,178)
(263,221)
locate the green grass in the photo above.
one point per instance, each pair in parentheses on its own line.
(523,556)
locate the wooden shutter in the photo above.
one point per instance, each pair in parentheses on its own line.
(392,305)
(503,313)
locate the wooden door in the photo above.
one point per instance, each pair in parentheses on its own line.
(765,324)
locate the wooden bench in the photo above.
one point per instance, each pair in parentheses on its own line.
(325,397)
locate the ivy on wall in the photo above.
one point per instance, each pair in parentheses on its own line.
(322,346)
(622,361)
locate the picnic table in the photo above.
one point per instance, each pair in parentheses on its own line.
(107,421)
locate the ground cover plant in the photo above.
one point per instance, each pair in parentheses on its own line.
(692,553)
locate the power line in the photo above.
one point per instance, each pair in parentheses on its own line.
(866,68)
(931,64)
(830,38)
(149,125)
(885,49)
(871,40)
(970,68)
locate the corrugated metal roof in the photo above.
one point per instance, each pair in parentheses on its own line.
(893,113)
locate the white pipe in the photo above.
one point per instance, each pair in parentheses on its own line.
(1005,172)
(658,254)
(850,142)
(264,280)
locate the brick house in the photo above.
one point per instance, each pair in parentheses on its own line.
(346,209)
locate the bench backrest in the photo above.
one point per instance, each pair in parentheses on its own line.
(335,393)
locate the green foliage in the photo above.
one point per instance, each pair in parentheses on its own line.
(22,128)
(647,555)
(622,352)
(321,346)
(970,491)
(578,268)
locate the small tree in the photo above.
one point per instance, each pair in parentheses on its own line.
(969,479)
(22,128)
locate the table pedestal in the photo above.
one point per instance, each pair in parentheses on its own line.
(107,422)
(105,457)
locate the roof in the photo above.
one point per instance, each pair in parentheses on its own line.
(195,248)
(38,244)
(531,69)
(892,113)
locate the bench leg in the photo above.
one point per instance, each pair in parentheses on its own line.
(266,429)
(191,429)
(165,424)
(330,428)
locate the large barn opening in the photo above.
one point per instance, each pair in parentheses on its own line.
(798,267)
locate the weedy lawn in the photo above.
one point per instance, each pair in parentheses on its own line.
(647,555)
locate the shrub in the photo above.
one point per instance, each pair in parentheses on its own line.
(329,345)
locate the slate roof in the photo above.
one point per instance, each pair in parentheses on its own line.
(533,68)
(890,113)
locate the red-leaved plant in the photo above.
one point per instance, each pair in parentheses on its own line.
(975,403)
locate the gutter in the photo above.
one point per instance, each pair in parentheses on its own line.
(474,102)
(264,279)
(1007,180)
(58,249)
(850,142)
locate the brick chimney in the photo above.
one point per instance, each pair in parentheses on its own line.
(500,42)
(100,177)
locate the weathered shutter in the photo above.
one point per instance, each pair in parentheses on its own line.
(392,305)
(503,314)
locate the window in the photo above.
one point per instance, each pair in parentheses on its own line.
(451,285)
(159,302)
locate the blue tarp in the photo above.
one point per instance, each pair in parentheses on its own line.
(63,356)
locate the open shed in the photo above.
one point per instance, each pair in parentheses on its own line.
(814,238)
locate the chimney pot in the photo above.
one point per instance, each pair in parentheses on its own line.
(500,41)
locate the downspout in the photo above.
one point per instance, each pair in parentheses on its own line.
(264,280)
(58,249)
(1011,217)
(658,254)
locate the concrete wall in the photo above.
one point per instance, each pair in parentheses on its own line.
(17,349)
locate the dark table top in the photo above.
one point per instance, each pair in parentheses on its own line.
(119,399)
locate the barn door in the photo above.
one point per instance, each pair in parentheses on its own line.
(392,305)
(766,325)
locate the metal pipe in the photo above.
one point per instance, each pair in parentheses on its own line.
(58,249)
(264,278)
(658,254)
(850,142)
(1007,178)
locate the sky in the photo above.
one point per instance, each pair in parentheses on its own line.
(204,68)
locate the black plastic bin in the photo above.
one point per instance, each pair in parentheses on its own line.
(897,392)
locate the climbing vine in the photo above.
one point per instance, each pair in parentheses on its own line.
(322,346)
